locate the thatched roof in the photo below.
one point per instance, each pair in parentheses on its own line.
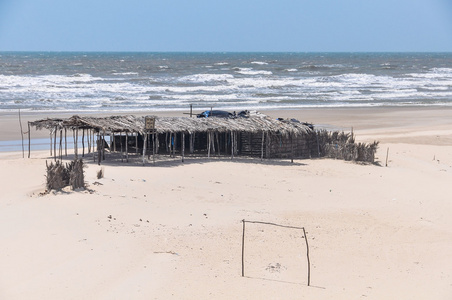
(132,123)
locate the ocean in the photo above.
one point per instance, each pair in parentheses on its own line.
(108,82)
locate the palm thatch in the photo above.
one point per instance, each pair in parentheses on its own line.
(134,124)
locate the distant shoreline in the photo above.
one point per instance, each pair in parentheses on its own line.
(358,118)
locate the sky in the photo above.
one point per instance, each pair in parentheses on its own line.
(227,26)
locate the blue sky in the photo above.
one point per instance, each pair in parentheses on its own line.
(233,25)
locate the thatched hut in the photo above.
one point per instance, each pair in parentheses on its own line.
(254,135)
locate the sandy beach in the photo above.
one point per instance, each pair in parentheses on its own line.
(174,230)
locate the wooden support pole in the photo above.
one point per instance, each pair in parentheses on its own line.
(114,143)
(29,140)
(218,143)
(22,134)
(65,141)
(54,144)
(75,143)
(262,145)
(212,141)
(122,152)
(99,146)
(61,144)
(183,146)
(136,143)
(127,146)
(103,144)
(174,144)
(232,145)
(144,147)
(83,142)
(50,143)
(307,255)
(318,144)
(154,145)
(148,139)
(94,147)
(88,137)
(208,144)
(387,154)
(243,249)
(192,142)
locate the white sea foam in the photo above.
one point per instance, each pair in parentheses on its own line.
(279,85)
(206,77)
(126,73)
(250,71)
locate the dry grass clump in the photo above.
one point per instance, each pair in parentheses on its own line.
(342,145)
(100,173)
(59,175)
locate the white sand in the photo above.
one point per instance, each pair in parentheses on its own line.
(175,230)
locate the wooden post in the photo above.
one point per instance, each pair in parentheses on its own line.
(54,145)
(122,152)
(212,141)
(183,146)
(83,142)
(75,143)
(136,143)
(218,143)
(262,146)
(29,140)
(174,144)
(208,144)
(114,143)
(387,154)
(307,255)
(148,139)
(50,143)
(318,144)
(94,147)
(22,134)
(154,146)
(65,141)
(61,144)
(192,142)
(127,146)
(103,144)
(144,147)
(88,136)
(99,153)
(232,145)
(243,249)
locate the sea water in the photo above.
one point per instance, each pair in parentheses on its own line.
(109,82)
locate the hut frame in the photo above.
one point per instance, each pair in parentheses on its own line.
(256,136)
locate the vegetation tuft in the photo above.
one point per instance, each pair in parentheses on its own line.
(60,175)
